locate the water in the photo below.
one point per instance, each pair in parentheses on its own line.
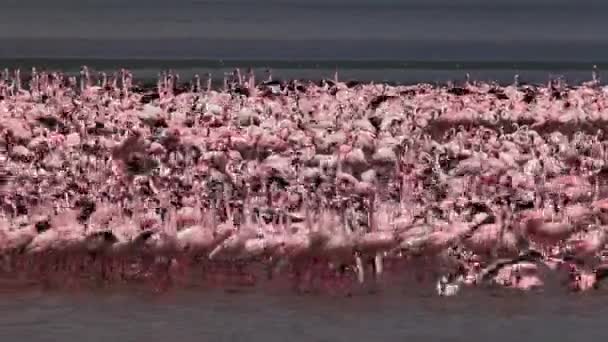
(217,316)
(393,40)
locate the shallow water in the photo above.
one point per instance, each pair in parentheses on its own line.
(258,316)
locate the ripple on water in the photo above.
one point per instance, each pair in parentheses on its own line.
(259,315)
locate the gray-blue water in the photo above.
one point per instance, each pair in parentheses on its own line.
(254,316)
(534,38)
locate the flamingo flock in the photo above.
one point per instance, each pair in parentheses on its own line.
(329,182)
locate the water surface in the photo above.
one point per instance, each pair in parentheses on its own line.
(255,316)
(368,39)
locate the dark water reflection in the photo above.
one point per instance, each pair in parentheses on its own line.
(264,316)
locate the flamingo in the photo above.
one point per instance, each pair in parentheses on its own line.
(397,173)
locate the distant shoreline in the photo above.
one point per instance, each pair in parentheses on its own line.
(385,71)
(343,64)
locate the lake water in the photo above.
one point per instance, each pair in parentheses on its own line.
(261,316)
(401,307)
(392,40)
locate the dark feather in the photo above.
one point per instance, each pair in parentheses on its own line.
(493,269)
(601,272)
